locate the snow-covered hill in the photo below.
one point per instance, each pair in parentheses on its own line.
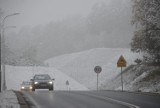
(15,76)
(143,78)
(80,66)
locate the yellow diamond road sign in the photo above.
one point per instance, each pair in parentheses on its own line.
(121,62)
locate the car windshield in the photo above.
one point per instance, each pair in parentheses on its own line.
(41,77)
(26,83)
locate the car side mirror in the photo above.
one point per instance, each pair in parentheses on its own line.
(31,79)
(53,79)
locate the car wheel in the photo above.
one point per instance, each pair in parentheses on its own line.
(33,89)
(51,88)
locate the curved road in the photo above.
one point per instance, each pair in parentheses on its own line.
(91,99)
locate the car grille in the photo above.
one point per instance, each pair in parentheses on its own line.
(44,83)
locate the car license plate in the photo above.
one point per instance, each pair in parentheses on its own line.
(43,85)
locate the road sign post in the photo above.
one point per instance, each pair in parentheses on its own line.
(0,64)
(67,84)
(122,78)
(97,69)
(121,63)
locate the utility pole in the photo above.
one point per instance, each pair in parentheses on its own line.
(3,48)
(3,54)
(3,60)
(0,65)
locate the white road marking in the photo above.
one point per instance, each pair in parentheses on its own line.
(113,100)
(120,102)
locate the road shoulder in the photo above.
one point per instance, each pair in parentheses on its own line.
(21,99)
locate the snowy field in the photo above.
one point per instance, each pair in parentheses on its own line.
(80,66)
(77,68)
(15,76)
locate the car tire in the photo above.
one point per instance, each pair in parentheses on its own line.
(51,88)
(33,89)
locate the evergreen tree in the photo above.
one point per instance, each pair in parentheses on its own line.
(146,39)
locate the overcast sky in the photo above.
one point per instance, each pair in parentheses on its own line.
(35,12)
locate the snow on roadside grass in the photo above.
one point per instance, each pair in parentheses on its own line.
(8,99)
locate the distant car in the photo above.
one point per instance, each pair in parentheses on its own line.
(26,86)
(42,81)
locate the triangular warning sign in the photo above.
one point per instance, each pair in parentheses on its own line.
(121,62)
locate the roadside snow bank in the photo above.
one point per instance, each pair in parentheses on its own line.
(8,99)
(141,78)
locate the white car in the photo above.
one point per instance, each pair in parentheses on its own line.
(26,86)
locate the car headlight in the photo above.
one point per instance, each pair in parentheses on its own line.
(22,87)
(35,82)
(30,87)
(50,82)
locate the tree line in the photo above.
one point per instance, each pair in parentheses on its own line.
(107,25)
(146,39)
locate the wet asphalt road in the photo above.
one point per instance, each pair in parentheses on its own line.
(91,99)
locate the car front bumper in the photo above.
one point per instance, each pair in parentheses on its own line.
(42,86)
